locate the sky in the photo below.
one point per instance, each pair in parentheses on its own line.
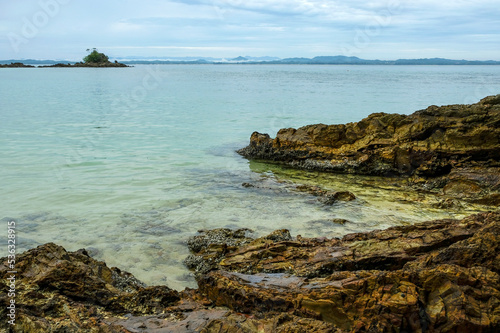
(371,29)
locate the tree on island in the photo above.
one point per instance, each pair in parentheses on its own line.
(95,57)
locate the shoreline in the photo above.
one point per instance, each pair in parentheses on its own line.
(439,276)
(406,278)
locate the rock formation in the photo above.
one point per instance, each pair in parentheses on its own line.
(90,64)
(15,65)
(454,148)
(436,276)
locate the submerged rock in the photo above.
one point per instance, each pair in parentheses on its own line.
(435,147)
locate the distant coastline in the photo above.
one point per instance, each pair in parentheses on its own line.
(26,64)
(320,60)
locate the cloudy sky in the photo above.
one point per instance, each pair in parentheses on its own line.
(370,29)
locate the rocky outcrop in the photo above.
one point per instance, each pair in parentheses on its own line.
(437,276)
(454,148)
(90,64)
(60,291)
(15,65)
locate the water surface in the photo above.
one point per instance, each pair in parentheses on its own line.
(129,162)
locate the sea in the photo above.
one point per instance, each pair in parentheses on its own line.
(129,163)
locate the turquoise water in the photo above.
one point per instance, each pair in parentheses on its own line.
(129,162)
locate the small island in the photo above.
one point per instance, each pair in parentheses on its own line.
(93,59)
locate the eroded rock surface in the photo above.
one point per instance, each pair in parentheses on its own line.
(439,276)
(454,148)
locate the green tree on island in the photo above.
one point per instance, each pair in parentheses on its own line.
(95,57)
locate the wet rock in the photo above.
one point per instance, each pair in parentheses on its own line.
(210,247)
(489,200)
(438,276)
(325,196)
(387,249)
(429,144)
(340,221)
(222,236)
(279,235)
(60,291)
(448,203)
(462,188)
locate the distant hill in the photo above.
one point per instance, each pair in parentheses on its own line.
(344,60)
(240,58)
(320,60)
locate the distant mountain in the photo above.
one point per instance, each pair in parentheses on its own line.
(441,61)
(320,60)
(240,58)
(343,60)
(166,62)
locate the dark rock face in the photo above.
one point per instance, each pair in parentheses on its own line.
(437,276)
(433,146)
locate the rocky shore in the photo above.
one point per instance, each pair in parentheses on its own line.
(436,276)
(452,150)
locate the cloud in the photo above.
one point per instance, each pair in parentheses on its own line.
(272,27)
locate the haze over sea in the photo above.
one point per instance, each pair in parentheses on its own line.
(130,162)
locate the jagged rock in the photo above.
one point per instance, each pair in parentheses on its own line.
(433,147)
(210,247)
(387,249)
(58,290)
(279,235)
(439,276)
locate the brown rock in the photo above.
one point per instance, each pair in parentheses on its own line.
(462,188)
(440,276)
(428,143)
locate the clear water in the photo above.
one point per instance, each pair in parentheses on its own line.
(129,163)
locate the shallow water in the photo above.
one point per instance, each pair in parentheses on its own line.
(128,163)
